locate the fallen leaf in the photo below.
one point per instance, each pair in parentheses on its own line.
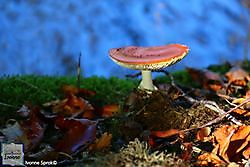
(110,110)
(208,79)
(78,132)
(246,153)
(187,151)
(29,132)
(203,133)
(239,140)
(237,76)
(72,106)
(241,100)
(242,112)
(210,159)
(12,131)
(24,111)
(101,143)
(233,141)
(223,136)
(72,90)
(164,134)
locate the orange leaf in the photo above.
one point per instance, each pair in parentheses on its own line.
(78,132)
(109,110)
(232,142)
(101,143)
(72,106)
(69,89)
(237,76)
(165,134)
(187,152)
(210,159)
(203,133)
(240,139)
(242,112)
(208,79)
(246,153)
(223,136)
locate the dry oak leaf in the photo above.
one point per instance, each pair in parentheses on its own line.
(30,132)
(232,142)
(242,112)
(208,79)
(72,106)
(164,134)
(203,133)
(237,76)
(70,89)
(241,100)
(210,159)
(77,133)
(110,110)
(103,142)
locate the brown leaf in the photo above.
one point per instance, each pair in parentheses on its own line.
(242,112)
(72,106)
(208,79)
(78,132)
(72,90)
(223,136)
(110,110)
(232,142)
(164,134)
(29,132)
(101,143)
(187,151)
(210,159)
(237,76)
(203,133)
(239,140)
(241,100)
(246,153)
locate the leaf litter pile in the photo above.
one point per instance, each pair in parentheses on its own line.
(177,125)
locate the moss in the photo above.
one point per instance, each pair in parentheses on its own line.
(180,77)
(221,69)
(135,153)
(36,90)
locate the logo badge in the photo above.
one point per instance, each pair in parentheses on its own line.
(12,154)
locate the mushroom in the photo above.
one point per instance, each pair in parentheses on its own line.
(148,59)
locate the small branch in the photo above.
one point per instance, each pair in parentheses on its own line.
(218,119)
(8,105)
(79,71)
(226,97)
(210,104)
(133,75)
(221,112)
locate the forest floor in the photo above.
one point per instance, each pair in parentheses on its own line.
(195,118)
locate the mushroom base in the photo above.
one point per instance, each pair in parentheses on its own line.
(162,110)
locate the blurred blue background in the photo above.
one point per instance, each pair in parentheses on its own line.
(45,37)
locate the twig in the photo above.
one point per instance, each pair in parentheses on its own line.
(210,104)
(8,105)
(133,75)
(232,104)
(79,71)
(225,114)
(220,111)
(225,96)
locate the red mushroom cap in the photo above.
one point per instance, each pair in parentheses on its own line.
(148,58)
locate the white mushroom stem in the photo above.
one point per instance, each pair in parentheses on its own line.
(146,82)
